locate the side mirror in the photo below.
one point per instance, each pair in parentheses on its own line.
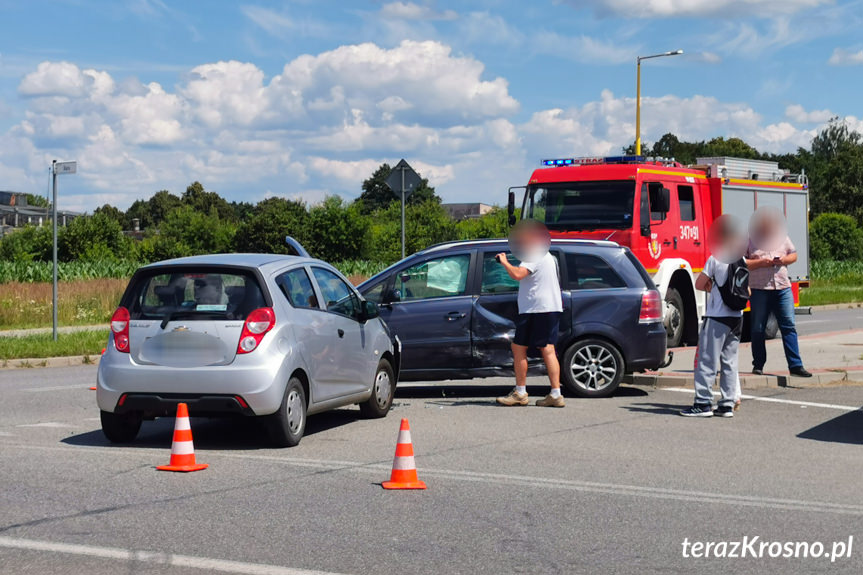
(510,208)
(664,201)
(369,311)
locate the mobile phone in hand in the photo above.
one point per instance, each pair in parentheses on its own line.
(497,257)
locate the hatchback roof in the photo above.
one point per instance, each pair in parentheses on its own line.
(244,260)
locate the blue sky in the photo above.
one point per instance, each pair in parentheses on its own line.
(303,98)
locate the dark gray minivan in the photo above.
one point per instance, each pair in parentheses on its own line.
(454,308)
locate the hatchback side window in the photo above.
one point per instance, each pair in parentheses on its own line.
(297,287)
(338,296)
(440,277)
(587,271)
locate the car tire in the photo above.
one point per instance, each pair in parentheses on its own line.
(383,390)
(675,319)
(592,368)
(121,427)
(287,425)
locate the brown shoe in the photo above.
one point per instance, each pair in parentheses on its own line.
(514,398)
(549,401)
(737,403)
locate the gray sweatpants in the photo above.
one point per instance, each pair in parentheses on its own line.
(717,352)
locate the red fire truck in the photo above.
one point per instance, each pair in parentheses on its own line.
(662,210)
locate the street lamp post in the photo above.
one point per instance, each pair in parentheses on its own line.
(638,95)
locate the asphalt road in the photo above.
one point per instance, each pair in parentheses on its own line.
(829,320)
(603,486)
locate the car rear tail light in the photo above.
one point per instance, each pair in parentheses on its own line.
(258,323)
(120,329)
(651,307)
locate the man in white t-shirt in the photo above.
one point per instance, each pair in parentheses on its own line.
(538,323)
(717,346)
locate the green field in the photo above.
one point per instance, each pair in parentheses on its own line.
(41,345)
(834,283)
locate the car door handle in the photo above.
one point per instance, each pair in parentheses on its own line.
(454,315)
(341,332)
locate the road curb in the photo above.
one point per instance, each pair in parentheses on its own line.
(686,379)
(66,361)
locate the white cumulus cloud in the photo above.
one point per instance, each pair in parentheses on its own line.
(842,57)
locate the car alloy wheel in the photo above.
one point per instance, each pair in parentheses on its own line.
(592,368)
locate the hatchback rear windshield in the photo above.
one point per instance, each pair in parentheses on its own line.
(195,295)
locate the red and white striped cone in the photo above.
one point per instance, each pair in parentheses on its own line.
(182,449)
(404,475)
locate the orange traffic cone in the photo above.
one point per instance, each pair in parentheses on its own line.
(404,474)
(182,449)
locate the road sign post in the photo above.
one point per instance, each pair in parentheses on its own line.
(58,168)
(403,180)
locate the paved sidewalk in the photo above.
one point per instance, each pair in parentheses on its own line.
(831,357)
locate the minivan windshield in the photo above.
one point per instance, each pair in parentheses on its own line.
(195,295)
(578,206)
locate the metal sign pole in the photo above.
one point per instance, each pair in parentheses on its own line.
(54,226)
(403,213)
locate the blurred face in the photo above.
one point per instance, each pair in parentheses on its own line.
(767,229)
(529,241)
(727,239)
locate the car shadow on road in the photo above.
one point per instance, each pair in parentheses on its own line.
(236,433)
(847,428)
(473,394)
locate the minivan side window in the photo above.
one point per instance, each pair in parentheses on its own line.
(586,271)
(338,296)
(686,202)
(440,277)
(297,287)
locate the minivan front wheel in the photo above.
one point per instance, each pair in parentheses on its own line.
(592,368)
(288,424)
(383,390)
(121,427)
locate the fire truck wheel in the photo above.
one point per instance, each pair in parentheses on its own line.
(592,368)
(674,319)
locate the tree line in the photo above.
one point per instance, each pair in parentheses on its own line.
(368,228)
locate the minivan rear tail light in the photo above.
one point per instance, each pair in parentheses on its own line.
(651,307)
(120,329)
(258,323)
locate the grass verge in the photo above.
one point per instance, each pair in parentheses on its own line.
(825,293)
(42,345)
(85,302)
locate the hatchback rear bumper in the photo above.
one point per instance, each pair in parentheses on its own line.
(165,404)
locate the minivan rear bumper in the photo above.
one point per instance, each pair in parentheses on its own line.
(648,350)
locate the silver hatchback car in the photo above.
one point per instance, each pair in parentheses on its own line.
(280,337)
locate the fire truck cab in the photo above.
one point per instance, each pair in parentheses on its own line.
(662,211)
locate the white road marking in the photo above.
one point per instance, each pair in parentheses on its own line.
(55,424)
(56,388)
(6,434)
(382,469)
(777,400)
(155,557)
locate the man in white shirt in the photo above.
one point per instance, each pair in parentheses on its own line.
(539,309)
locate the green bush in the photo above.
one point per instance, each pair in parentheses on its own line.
(27,244)
(335,230)
(271,220)
(426,224)
(95,238)
(835,237)
(187,232)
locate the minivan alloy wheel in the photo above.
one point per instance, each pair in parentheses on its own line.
(594,367)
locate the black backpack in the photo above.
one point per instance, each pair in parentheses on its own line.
(735,290)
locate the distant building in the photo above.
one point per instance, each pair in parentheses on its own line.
(16,212)
(467,211)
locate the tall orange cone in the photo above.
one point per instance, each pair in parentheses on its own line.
(182,449)
(404,474)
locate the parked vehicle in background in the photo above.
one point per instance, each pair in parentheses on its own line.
(270,336)
(454,308)
(662,210)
